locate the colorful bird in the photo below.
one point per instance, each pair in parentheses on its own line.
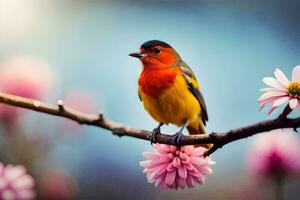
(169,90)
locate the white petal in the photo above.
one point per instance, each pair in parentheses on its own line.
(281,77)
(280,101)
(273,82)
(293,103)
(268,89)
(296,74)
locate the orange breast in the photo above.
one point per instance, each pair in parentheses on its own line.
(153,81)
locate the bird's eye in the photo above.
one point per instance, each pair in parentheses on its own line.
(156,50)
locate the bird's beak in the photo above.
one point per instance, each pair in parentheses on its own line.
(138,54)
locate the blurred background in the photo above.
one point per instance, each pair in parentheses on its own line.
(79,53)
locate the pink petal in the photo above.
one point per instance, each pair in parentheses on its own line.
(173,186)
(198,161)
(173,148)
(1,168)
(170,167)
(187,149)
(158,181)
(152,156)
(272,109)
(26,194)
(15,173)
(189,166)
(145,163)
(194,173)
(151,178)
(3,183)
(281,77)
(170,177)
(182,172)
(293,103)
(24,182)
(190,182)
(147,170)
(268,95)
(270,81)
(199,179)
(161,169)
(163,185)
(267,101)
(206,170)
(157,170)
(162,148)
(8,194)
(176,162)
(280,101)
(296,74)
(184,158)
(198,151)
(181,182)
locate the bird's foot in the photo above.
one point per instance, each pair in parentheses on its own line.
(176,138)
(155,132)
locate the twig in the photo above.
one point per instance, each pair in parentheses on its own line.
(287,110)
(218,139)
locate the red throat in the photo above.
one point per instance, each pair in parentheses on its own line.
(153,81)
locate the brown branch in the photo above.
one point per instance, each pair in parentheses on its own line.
(287,110)
(218,139)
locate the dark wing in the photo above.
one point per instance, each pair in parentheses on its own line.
(194,89)
(139,94)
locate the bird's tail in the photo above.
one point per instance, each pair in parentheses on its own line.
(197,127)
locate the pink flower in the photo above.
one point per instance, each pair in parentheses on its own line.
(172,167)
(275,154)
(281,90)
(57,185)
(23,76)
(15,183)
(81,101)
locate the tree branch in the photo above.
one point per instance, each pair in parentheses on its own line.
(218,139)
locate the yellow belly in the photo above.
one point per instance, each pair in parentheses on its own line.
(175,105)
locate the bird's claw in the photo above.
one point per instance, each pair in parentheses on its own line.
(154,134)
(176,138)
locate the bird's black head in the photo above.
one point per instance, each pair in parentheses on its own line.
(153,46)
(156,52)
(153,43)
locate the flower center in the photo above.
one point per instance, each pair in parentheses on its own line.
(294,89)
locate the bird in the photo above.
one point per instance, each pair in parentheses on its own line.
(169,90)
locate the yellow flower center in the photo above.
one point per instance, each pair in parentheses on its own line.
(294,89)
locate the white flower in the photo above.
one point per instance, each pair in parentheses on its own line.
(281,90)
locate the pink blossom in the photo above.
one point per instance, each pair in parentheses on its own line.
(26,77)
(57,185)
(174,167)
(15,183)
(82,101)
(275,154)
(281,90)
